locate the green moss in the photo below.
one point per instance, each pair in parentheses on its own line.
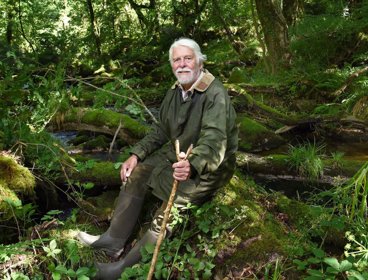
(255,136)
(261,234)
(102,173)
(137,129)
(238,76)
(298,212)
(16,177)
(8,199)
(100,117)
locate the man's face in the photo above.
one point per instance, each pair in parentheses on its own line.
(184,65)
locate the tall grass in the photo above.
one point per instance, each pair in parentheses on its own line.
(355,194)
(306,159)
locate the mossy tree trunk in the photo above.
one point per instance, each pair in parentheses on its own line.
(275,31)
(10,12)
(94,32)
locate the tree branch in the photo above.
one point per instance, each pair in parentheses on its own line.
(348,81)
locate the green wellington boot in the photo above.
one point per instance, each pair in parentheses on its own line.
(112,271)
(121,226)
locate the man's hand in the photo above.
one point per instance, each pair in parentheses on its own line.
(181,168)
(127,167)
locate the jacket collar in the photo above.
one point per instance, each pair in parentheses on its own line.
(202,84)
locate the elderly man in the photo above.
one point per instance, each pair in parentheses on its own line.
(196,110)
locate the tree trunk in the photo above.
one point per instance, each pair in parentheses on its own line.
(10,10)
(259,37)
(21,27)
(291,10)
(93,27)
(275,31)
(150,26)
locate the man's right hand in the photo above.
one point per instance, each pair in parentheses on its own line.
(127,167)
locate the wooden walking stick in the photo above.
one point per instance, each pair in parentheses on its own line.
(167,212)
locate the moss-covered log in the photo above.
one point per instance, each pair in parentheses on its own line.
(279,166)
(15,181)
(101,174)
(270,111)
(254,136)
(102,121)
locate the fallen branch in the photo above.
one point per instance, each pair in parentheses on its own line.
(277,115)
(349,80)
(114,138)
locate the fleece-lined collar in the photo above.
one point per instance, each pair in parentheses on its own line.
(202,84)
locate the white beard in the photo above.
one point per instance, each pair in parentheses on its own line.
(189,77)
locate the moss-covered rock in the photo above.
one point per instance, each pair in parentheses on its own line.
(15,180)
(262,236)
(253,136)
(15,176)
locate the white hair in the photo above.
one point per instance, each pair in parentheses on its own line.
(186,42)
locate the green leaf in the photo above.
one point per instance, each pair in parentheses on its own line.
(301,265)
(62,269)
(319,253)
(200,266)
(149,248)
(53,244)
(167,258)
(88,185)
(207,274)
(71,273)
(333,262)
(331,270)
(345,265)
(314,260)
(82,271)
(355,275)
(314,272)
(193,261)
(56,275)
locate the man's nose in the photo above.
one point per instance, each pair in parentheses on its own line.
(182,62)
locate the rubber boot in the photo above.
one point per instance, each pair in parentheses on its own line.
(121,226)
(112,271)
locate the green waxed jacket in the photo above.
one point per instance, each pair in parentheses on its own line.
(205,119)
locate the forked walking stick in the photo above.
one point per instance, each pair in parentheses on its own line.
(167,211)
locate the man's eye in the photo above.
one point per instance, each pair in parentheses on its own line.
(188,58)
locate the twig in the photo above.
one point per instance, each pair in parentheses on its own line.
(167,212)
(114,138)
